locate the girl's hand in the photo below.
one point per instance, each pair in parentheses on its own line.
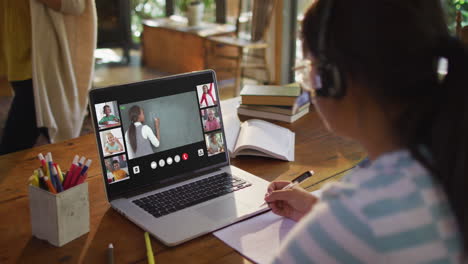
(156,122)
(293,203)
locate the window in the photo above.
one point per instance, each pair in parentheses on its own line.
(302,7)
(144,9)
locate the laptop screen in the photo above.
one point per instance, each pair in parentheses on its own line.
(158,132)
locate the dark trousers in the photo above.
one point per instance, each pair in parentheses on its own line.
(21,131)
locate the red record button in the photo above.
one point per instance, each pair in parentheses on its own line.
(185,156)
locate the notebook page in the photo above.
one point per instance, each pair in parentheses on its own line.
(231,121)
(231,129)
(262,135)
(258,238)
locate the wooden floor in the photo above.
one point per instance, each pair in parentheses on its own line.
(112,74)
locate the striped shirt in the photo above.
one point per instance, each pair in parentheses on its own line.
(390,212)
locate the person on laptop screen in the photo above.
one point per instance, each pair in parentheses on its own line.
(211,122)
(118,173)
(372,73)
(108,119)
(207,98)
(113,144)
(214,146)
(139,135)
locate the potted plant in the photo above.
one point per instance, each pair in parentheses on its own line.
(194,10)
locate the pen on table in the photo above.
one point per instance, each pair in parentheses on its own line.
(149,249)
(110,254)
(296,181)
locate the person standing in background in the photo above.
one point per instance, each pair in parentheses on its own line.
(46,53)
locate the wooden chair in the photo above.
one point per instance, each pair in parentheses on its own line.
(462,32)
(251,48)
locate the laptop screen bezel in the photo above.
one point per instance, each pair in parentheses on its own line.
(174,179)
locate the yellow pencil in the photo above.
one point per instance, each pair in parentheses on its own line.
(59,173)
(34,180)
(149,249)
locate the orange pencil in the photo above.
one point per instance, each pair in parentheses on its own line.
(50,185)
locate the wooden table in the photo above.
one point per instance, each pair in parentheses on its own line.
(170,46)
(316,149)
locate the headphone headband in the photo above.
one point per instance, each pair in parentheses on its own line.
(323,28)
(331,84)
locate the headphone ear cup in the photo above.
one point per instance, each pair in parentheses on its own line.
(338,88)
(332,84)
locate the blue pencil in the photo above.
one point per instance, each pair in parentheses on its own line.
(51,165)
(55,175)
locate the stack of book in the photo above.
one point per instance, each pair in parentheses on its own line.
(272,102)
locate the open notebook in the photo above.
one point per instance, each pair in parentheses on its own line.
(258,138)
(259,237)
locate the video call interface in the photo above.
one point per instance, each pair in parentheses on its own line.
(150,139)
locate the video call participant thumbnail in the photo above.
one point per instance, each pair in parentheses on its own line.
(210,119)
(108,118)
(206,94)
(118,173)
(116,169)
(141,136)
(104,112)
(214,143)
(113,144)
(111,141)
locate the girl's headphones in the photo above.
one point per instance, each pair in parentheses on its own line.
(330,80)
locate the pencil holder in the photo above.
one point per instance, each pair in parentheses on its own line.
(59,218)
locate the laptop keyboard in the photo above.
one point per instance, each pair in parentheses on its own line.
(176,199)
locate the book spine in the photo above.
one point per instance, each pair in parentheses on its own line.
(285,110)
(272,116)
(267,115)
(268,100)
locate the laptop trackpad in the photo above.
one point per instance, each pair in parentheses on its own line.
(223,209)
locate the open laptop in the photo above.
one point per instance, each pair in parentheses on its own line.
(164,157)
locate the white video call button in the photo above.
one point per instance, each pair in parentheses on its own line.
(169,161)
(177,158)
(161,163)
(154,165)
(136,169)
